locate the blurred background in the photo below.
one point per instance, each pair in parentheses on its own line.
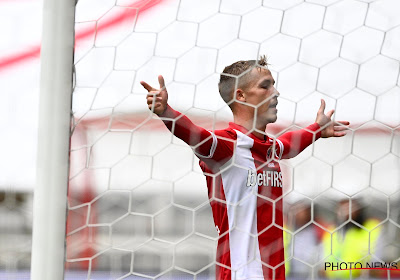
(138,205)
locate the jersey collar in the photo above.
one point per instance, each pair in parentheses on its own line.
(245,131)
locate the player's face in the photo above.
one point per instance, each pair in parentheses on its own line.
(262,93)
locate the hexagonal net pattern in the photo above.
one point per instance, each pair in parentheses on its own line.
(138,201)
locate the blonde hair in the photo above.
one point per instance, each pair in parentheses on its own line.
(237,75)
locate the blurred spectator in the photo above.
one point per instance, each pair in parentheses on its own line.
(304,243)
(350,243)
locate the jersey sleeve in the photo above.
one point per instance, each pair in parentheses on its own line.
(294,142)
(207,145)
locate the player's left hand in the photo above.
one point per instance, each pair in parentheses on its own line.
(329,127)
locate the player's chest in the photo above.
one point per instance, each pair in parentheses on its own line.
(261,156)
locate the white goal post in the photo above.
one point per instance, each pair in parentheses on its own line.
(50,195)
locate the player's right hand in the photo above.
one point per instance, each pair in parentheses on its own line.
(157,99)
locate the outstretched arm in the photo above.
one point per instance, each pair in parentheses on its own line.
(295,142)
(181,126)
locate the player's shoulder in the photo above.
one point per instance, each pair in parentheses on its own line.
(222,150)
(227,133)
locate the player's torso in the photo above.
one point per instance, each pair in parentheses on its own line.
(249,182)
(253,169)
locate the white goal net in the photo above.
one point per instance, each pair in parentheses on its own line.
(138,204)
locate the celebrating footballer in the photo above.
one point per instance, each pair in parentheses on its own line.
(241,165)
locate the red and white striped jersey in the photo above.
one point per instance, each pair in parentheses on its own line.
(244,182)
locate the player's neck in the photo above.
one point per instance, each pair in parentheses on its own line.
(249,125)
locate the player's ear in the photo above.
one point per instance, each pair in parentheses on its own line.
(240,95)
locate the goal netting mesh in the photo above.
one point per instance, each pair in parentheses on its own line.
(138,205)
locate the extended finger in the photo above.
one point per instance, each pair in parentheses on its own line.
(146,86)
(330,113)
(339,133)
(343,122)
(340,128)
(322,107)
(161,81)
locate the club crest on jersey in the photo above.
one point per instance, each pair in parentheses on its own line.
(266,179)
(272,154)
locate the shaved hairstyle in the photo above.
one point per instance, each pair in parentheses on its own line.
(236,76)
